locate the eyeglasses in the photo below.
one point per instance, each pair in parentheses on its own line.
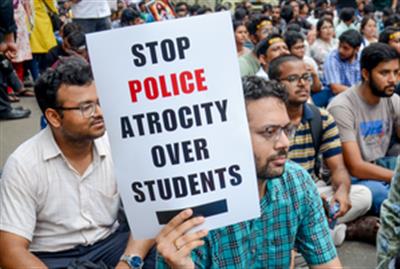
(294,79)
(87,109)
(274,132)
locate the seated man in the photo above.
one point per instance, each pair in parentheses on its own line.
(305,148)
(342,66)
(388,236)
(268,49)
(367,115)
(259,27)
(291,210)
(58,193)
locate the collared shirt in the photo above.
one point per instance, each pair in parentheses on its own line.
(388,246)
(291,216)
(302,149)
(89,9)
(337,71)
(45,200)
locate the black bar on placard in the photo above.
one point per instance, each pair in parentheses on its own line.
(206,210)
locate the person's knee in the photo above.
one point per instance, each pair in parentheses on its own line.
(361,198)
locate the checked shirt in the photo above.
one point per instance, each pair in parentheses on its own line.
(291,216)
(389,233)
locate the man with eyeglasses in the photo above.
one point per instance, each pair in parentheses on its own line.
(291,211)
(58,193)
(354,203)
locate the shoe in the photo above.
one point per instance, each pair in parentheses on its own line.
(363,229)
(338,234)
(18,107)
(14,114)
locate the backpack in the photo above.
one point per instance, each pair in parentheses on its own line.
(316,134)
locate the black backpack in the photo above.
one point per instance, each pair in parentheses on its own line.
(316,134)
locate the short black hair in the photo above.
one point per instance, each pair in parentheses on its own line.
(129,15)
(351,37)
(292,37)
(347,14)
(376,53)
(255,21)
(71,71)
(274,71)
(384,36)
(76,40)
(262,46)
(392,20)
(255,88)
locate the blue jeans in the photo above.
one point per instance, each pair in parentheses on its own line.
(379,189)
(323,97)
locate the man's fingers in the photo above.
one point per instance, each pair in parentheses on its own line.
(176,221)
(188,238)
(187,249)
(184,227)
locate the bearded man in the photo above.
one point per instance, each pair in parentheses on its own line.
(368,119)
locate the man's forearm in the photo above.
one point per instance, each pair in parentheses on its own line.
(341,179)
(366,170)
(16,258)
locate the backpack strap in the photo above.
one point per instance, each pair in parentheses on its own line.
(316,134)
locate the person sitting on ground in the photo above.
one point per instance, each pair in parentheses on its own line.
(58,51)
(291,210)
(342,66)
(391,36)
(317,140)
(241,36)
(58,192)
(347,18)
(259,27)
(388,239)
(267,50)
(368,115)
(325,42)
(295,42)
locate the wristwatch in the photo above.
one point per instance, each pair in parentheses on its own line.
(134,261)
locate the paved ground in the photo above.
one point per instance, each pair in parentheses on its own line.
(12,133)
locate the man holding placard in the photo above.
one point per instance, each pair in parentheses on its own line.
(291,210)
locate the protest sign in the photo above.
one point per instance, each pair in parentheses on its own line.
(174,110)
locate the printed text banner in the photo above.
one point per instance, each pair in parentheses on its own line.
(173,105)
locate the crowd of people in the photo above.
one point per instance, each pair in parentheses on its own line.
(321,85)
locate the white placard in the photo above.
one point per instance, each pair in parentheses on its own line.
(173,105)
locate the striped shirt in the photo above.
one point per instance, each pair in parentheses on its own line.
(337,71)
(291,216)
(302,149)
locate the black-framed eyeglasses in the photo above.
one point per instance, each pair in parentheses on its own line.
(87,109)
(274,132)
(294,79)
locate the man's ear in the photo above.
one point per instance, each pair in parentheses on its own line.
(365,74)
(53,117)
(262,59)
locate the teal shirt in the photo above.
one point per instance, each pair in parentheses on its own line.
(388,245)
(292,217)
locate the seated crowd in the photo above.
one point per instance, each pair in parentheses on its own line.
(321,84)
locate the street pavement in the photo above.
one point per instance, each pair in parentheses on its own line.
(12,133)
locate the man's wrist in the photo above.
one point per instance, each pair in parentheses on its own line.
(134,261)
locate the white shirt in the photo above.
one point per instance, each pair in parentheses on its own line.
(45,200)
(91,9)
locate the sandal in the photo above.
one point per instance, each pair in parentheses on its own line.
(13,98)
(25,93)
(363,229)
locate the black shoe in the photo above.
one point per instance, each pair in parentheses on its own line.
(14,114)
